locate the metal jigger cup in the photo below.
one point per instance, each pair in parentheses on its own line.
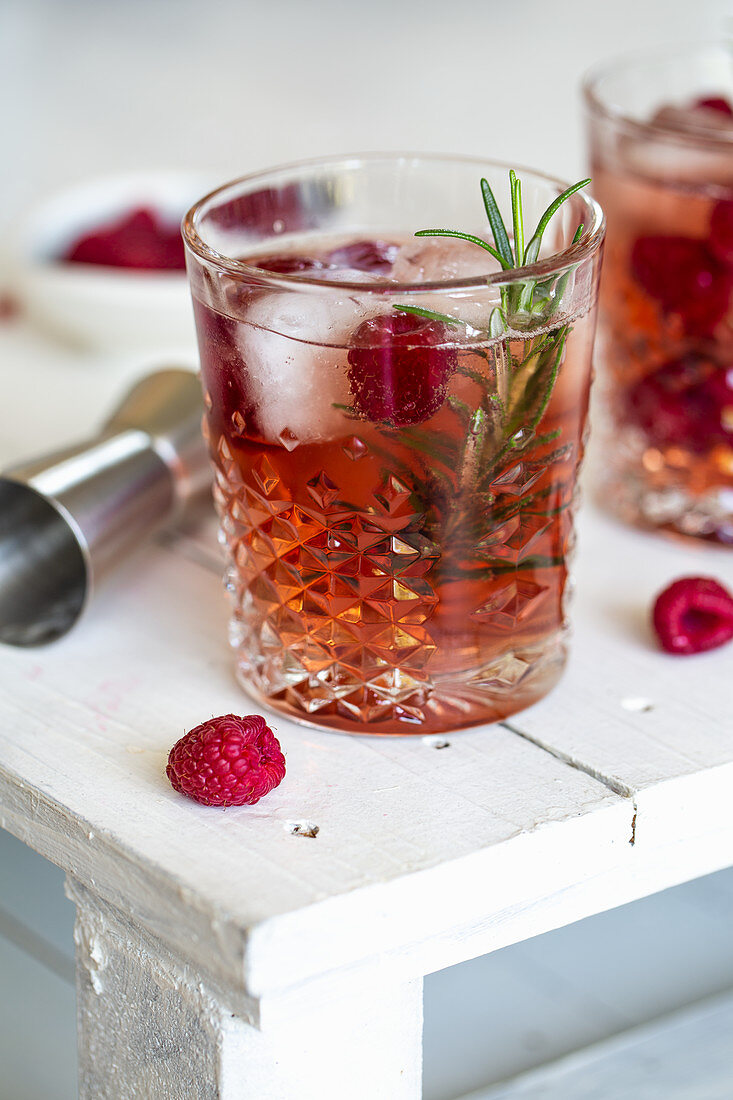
(68,519)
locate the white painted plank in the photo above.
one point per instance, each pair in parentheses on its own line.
(88,723)
(441,855)
(687,1056)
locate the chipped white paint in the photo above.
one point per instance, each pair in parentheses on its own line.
(145,1028)
(91,954)
(637,703)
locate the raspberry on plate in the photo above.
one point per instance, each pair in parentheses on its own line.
(692,615)
(227,761)
(399,368)
(139,240)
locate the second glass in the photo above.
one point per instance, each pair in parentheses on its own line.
(395,467)
(661,145)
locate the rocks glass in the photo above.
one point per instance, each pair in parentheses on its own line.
(661,147)
(395,464)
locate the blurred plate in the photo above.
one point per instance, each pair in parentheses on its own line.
(95,305)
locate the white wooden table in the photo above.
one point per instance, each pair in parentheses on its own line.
(226,954)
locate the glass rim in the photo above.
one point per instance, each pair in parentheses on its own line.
(572,256)
(628,60)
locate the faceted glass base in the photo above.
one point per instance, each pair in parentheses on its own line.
(391,701)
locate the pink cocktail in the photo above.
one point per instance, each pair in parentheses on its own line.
(395,473)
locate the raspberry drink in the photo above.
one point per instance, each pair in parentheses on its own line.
(664,174)
(395,473)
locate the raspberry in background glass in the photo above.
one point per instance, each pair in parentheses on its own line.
(661,146)
(395,425)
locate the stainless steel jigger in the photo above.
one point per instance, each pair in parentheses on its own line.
(68,519)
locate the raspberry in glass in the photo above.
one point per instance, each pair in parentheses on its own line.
(683,404)
(684,276)
(375,257)
(399,368)
(720,241)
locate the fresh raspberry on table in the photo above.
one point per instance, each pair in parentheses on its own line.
(692,615)
(399,368)
(227,761)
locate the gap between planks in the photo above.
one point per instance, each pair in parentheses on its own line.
(613,784)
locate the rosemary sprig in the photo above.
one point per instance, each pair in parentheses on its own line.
(525,302)
(523,353)
(431,314)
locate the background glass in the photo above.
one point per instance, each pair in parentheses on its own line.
(660,129)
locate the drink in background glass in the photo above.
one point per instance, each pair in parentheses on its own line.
(396,492)
(661,145)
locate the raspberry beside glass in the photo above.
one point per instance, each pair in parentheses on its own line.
(661,133)
(396,491)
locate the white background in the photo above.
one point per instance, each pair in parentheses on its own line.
(93,86)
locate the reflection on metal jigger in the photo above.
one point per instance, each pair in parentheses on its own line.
(68,519)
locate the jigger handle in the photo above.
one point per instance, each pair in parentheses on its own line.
(113,493)
(67,519)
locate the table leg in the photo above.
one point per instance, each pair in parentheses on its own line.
(152,1028)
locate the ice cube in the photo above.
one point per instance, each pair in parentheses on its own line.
(350,275)
(292,347)
(440,259)
(437,259)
